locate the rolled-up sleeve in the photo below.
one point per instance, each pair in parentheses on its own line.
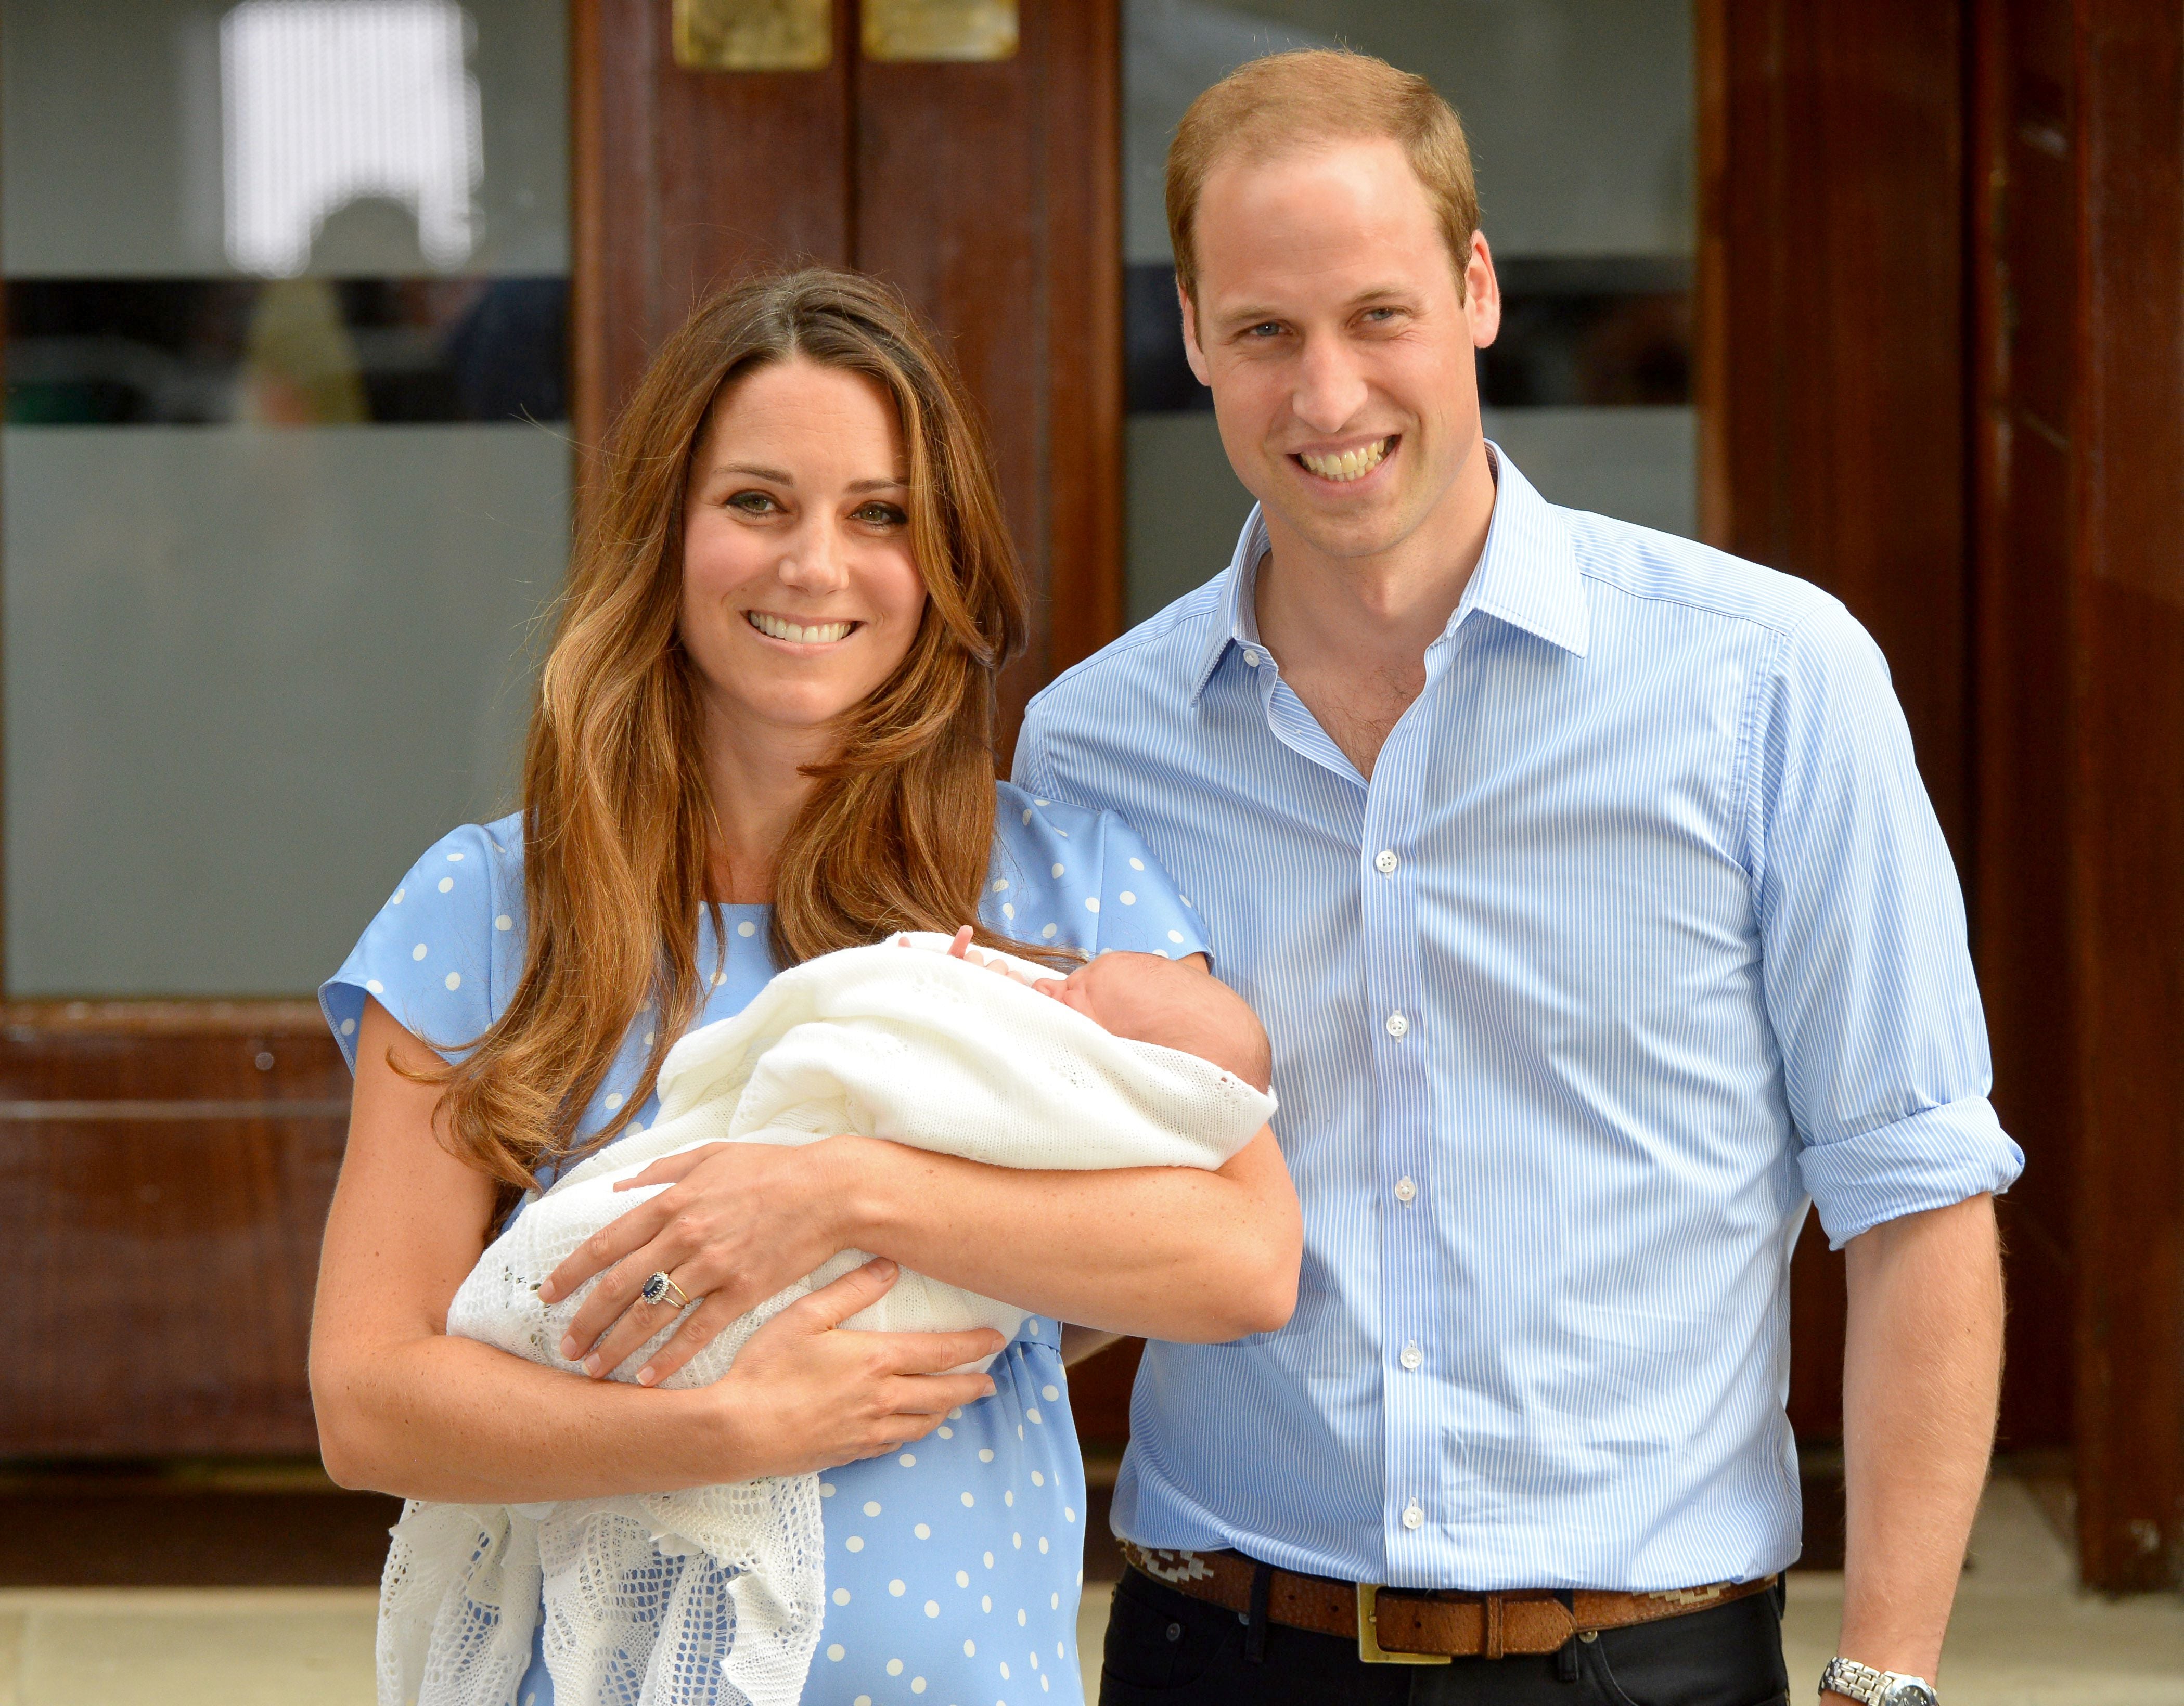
(1868,977)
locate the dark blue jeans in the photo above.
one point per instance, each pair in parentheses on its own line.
(1165,1648)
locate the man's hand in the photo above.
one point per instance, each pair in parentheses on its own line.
(1922,1375)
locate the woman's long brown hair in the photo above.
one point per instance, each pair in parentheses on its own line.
(618,822)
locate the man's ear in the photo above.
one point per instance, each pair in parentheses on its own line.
(1191,352)
(1482,293)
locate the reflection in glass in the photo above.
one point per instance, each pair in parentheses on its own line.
(298,352)
(330,102)
(286,306)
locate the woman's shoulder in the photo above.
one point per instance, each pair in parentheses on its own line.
(1080,878)
(468,883)
(1022,820)
(442,952)
(498,845)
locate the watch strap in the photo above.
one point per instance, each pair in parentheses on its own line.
(1857,1681)
(1851,1679)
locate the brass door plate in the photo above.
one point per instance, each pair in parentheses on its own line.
(755,35)
(927,29)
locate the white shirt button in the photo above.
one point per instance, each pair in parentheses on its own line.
(1385,862)
(1252,658)
(1406,1188)
(1397,1024)
(1412,1516)
(1412,1356)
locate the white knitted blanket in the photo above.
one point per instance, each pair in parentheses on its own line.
(661,1599)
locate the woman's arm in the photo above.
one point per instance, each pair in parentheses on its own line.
(1169,1253)
(407,1409)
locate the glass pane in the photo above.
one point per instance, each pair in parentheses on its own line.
(282,483)
(1582,126)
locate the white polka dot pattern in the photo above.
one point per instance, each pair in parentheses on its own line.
(943,1515)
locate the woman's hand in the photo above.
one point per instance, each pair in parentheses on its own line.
(808,1396)
(738,1223)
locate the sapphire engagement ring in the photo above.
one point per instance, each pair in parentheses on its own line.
(660,1289)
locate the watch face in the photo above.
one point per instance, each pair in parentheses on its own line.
(1907,1693)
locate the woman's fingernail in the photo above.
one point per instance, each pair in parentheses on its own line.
(591,1363)
(569,1347)
(547,1293)
(645,1376)
(989,1389)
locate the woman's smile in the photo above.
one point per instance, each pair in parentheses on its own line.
(806,635)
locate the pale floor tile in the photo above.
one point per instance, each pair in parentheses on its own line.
(187,1646)
(1091,1633)
(2022,1635)
(11,1656)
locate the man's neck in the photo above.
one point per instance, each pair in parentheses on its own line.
(1350,633)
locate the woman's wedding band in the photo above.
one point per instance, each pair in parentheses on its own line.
(660,1288)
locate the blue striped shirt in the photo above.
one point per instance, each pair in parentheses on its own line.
(1641,935)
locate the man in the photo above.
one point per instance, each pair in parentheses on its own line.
(1584,879)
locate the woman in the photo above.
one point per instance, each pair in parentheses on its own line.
(765,732)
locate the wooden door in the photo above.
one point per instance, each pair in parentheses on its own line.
(987,191)
(164,1169)
(1942,352)
(2079,140)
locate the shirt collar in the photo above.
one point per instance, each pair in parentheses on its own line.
(1527,577)
(1527,573)
(1236,616)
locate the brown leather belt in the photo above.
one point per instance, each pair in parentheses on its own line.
(1402,1626)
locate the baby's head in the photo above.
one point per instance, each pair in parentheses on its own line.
(1147,999)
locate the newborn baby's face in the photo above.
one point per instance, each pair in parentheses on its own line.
(1146,997)
(1119,992)
(1124,992)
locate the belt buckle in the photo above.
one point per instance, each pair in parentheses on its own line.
(1369,1650)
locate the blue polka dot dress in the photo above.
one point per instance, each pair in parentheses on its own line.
(953,1567)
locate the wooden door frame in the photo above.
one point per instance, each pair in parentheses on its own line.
(2080,332)
(2053,362)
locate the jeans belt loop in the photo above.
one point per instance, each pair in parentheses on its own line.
(1256,1619)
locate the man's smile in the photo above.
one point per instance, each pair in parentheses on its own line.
(1341,467)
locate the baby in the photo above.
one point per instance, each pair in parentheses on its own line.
(1148,998)
(1130,1061)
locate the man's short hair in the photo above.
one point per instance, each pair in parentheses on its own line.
(1320,95)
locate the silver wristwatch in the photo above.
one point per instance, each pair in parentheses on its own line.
(1857,1681)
